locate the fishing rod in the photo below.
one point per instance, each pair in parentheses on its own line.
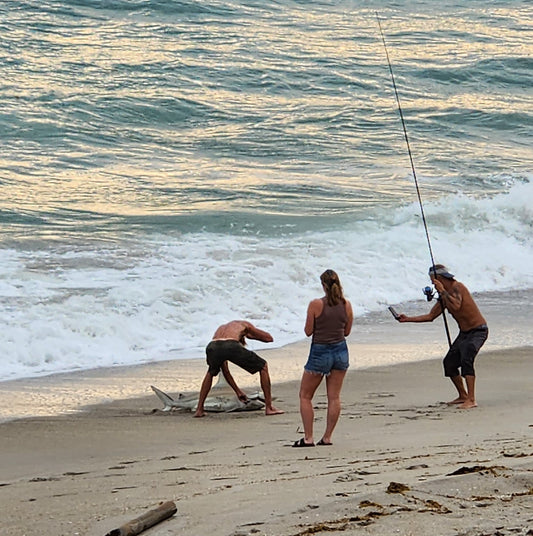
(434,270)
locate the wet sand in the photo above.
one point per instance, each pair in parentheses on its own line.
(403,462)
(376,339)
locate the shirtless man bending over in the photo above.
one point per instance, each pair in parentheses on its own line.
(228,345)
(473,333)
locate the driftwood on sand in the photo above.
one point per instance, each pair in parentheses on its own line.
(147,520)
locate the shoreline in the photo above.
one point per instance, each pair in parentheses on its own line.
(74,392)
(235,474)
(376,340)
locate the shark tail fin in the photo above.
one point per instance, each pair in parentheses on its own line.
(167,400)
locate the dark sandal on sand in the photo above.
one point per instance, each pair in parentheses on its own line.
(302,443)
(323,443)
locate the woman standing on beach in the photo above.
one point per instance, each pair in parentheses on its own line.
(329,321)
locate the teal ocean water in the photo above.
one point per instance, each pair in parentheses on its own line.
(169,165)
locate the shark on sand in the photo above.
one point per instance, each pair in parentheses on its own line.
(221,400)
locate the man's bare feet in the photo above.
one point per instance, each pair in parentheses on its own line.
(198,414)
(273,411)
(458,400)
(468,404)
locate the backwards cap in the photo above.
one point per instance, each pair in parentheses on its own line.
(440,269)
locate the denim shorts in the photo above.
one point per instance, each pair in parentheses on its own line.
(323,358)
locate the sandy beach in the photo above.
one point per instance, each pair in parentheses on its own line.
(168,167)
(403,462)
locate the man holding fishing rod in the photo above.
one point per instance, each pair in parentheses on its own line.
(473,333)
(453,296)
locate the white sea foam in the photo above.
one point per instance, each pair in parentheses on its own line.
(163,298)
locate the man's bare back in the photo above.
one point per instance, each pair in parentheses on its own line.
(237,330)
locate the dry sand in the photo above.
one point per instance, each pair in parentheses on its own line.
(403,462)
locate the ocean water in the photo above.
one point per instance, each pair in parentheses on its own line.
(168,166)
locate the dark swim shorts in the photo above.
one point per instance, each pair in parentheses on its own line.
(228,350)
(323,358)
(463,352)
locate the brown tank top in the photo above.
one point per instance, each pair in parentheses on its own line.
(329,325)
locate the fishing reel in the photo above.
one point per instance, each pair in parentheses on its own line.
(429,293)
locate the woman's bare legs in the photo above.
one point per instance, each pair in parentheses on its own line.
(308,386)
(333,387)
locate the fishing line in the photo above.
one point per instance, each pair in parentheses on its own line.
(413,170)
